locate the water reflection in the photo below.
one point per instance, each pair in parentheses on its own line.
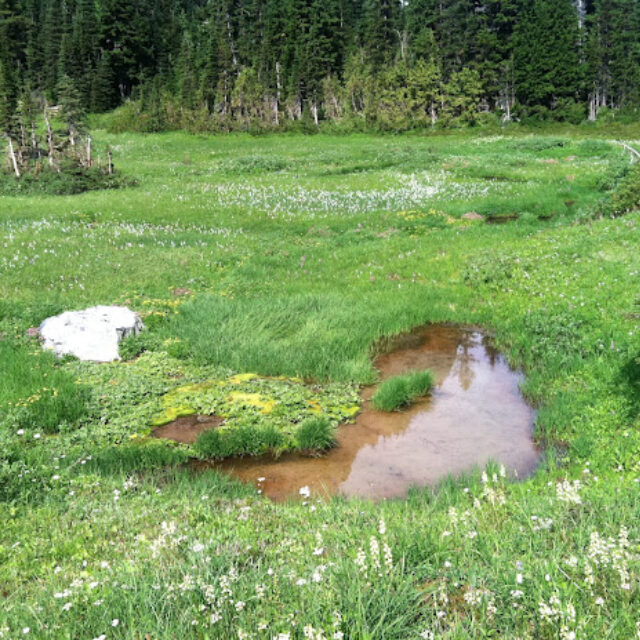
(475,413)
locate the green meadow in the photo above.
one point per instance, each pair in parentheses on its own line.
(269,272)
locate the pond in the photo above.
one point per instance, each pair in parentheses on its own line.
(475,414)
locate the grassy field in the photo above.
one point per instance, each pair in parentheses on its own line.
(267,270)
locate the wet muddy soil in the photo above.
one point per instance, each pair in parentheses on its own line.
(474,414)
(188,428)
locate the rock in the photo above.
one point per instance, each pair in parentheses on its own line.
(91,334)
(472,215)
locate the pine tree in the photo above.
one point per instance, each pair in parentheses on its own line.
(72,110)
(614,53)
(379,34)
(126,34)
(323,49)
(269,59)
(546,60)
(8,95)
(51,43)
(84,45)
(104,90)
(9,45)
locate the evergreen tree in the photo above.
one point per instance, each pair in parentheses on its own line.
(8,95)
(126,34)
(546,60)
(51,44)
(269,60)
(380,36)
(84,45)
(72,110)
(323,50)
(104,88)
(10,24)
(614,53)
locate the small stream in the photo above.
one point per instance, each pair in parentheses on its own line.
(474,414)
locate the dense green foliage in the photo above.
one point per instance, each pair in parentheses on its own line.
(251,259)
(68,181)
(387,64)
(400,391)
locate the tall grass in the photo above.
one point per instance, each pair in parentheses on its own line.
(35,391)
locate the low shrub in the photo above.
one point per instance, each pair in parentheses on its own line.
(626,196)
(401,391)
(69,181)
(135,345)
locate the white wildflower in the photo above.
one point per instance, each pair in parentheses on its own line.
(569,492)
(305,492)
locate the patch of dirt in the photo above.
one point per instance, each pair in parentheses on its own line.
(187,429)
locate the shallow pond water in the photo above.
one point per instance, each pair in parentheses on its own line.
(474,414)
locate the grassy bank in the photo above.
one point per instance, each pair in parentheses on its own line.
(290,258)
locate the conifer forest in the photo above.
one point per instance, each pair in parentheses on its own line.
(383,64)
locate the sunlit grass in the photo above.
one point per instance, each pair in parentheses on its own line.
(255,261)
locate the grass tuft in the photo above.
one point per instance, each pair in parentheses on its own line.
(317,434)
(245,440)
(401,391)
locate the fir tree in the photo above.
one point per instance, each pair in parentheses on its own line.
(614,54)
(104,93)
(7,99)
(72,110)
(379,31)
(546,60)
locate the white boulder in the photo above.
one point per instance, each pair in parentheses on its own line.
(91,334)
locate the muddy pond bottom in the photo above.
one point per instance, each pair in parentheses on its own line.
(474,414)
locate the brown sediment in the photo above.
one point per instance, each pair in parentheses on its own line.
(187,428)
(475,414)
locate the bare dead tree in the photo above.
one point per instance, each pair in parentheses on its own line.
(88,151)
(47,121)
(13,158)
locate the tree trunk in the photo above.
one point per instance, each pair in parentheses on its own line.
(34,141)
(232,45)
(278,91)
(88,152)
(593,109)
(12,156)
(49,136)
(402,39)
(109,163)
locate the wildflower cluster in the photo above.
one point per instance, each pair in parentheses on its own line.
(376,560)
